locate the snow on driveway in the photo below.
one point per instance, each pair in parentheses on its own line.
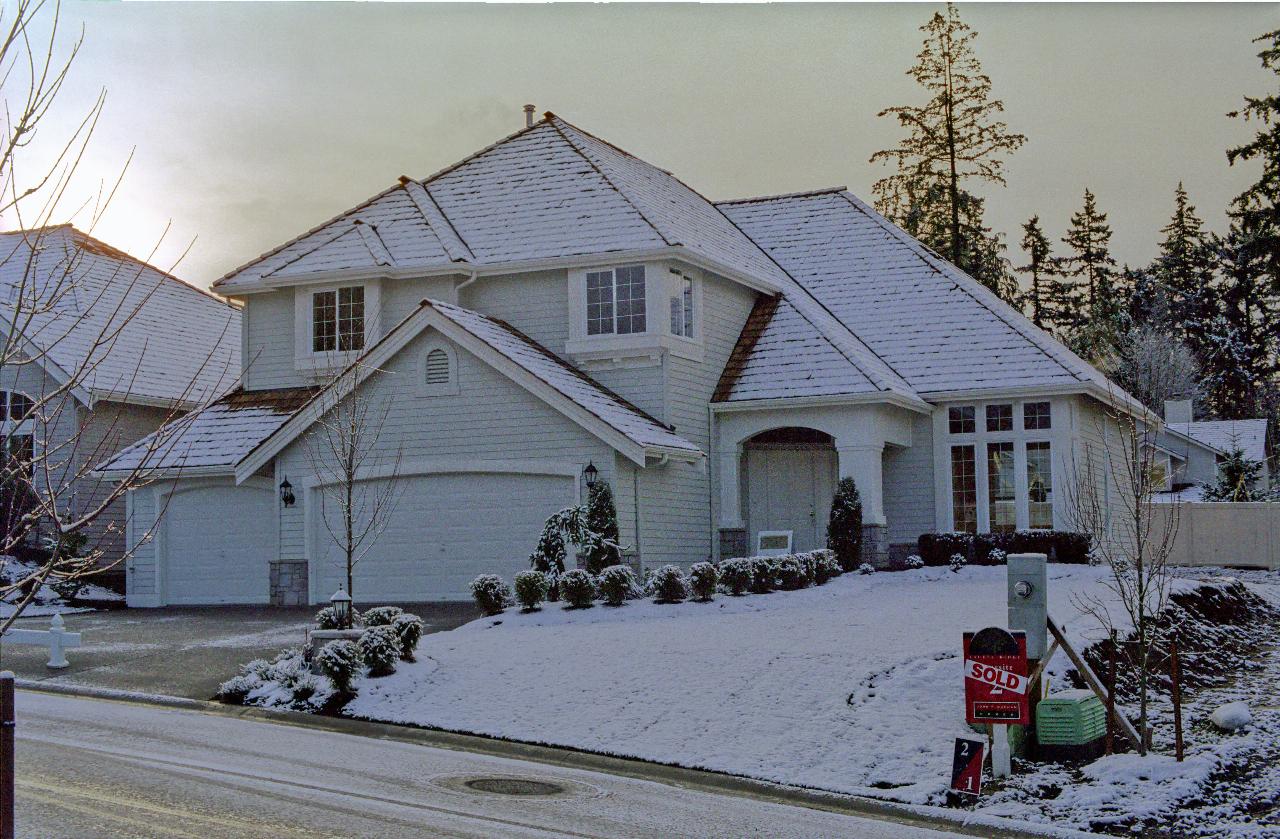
(854,686)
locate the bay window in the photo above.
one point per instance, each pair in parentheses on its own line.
(682,308)
(1001,466)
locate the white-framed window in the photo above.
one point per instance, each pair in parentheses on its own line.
(615,300)
(682,307)
(337,319)
(15,407)
(1040,485)
(438,370)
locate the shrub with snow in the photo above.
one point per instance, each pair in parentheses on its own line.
(702,581)
(284,682)
(327,618)
(763,574)
(292,676)
(866,568)
(791,573)
(408,629)
(957,562)
(382,615)
(668,585)
(577,588)
(735,576)
(491,594)
(825,566)
(237,688)
(998,556)
(379,649)
(844,527)
(915,561)
(531,589)
(341,662)
(617,585)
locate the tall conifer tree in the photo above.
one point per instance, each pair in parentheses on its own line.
(1185,269)
(1039,268)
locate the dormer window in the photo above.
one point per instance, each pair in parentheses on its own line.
(334,323)
(682,307)
(616,301)
(337,319)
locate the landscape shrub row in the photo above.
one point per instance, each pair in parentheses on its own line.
(937,549)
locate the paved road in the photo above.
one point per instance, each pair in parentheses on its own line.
(92,768)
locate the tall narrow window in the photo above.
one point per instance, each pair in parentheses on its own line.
(964,489)
(337,320)
(1001,492)
(682,309)
(1039,486)
(616,301)
(324,326)
(600,303)
(629,288)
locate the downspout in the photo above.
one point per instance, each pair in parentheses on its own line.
(635,511)
(712,541)
(475,275)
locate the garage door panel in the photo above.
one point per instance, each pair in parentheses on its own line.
(208,562)
(444,530)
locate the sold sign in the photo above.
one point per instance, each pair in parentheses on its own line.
(989,674)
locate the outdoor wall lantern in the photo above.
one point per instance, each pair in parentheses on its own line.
(341,602)
(591,474)
(286,493)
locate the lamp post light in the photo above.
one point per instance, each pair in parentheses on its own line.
(341,602)
(591,474)
(286,493)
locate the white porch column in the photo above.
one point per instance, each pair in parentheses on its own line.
(865,464)
(730,461)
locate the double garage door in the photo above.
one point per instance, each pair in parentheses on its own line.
(443,531)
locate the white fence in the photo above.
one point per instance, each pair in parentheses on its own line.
(1245,534)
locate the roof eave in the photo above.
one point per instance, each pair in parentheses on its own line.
(876,398)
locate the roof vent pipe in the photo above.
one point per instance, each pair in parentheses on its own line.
(528,116)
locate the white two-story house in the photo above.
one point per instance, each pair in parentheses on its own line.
(552,303)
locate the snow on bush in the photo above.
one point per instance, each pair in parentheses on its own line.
(998,556)
(763,576)
(866,568)
(915,561)
(957,562)
(618,584)
(382,615)
(408,629)
(491,594)
(286,682)
(577,588)
(825,566)
(735,576)
(531,589)
(379,649)
(327,618)
(668,585)
(341,661)
(702,581)
(791,574)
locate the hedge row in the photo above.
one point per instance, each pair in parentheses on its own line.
(992,548)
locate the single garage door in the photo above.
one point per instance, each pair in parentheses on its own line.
(445,530)
(217,544)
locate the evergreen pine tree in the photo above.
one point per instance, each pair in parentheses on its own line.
(1185,268)
(1257,209)
(1039,267)
(1092,271)
(602,519)
(844,527)
(955,137)
(1237,476)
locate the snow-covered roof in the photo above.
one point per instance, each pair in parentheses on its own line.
(123,329)
(216,437)
(933,325)
(1250,435)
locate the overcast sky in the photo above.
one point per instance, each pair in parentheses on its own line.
(253,122)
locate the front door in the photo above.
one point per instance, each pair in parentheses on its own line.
(790,488)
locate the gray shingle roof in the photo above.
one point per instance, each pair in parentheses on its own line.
(1250,435)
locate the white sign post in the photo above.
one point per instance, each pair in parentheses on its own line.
(1001,764)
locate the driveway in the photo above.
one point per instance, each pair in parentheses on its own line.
(182,651)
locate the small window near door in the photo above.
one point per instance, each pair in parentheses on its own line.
(964,489)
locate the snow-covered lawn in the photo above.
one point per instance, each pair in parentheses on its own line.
(47,601)
(854,686)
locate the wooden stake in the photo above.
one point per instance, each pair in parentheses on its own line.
(1176,674)
(1111,695)
(1091,679)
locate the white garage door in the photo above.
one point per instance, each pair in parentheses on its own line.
(445,530)
(217,545)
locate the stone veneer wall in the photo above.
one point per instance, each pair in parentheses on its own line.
(289,582)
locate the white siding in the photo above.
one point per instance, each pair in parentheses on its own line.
(643,386)
(908,485)
(268,354)
(536,303)
(141,566)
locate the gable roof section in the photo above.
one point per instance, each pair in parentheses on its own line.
(125,330)
(1250,435)
(608,416)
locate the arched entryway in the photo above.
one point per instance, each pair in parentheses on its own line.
(789,477)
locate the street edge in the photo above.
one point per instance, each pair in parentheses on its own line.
(708,780)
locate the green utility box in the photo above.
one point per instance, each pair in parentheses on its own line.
(1070,725)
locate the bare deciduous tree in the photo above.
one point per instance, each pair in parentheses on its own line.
(1155,367)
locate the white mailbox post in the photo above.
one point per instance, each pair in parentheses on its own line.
(56,638)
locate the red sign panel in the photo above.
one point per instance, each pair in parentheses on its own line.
(966,766)
(995,677)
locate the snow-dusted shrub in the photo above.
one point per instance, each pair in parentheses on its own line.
(67,588)
(292,676)
(341,662)
(702,581)
(379,649)
(577,588)
(764,578)
(237,688)
(866,568)
(668,585)
(601,520)
(531,589)
(327,618)
(914,561)
(735,576)
(382,615)
(491,594)
(957,562)
(617,585)
(408,629)
(997,556)
(791,573)
(844,527)
(825,566)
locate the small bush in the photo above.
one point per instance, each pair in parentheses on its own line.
(702,581)
(327,618)
(1060,546)
(379,649)
(957,562)
(341,662)
(491,594)
(825,567)
(735,576)
(577,588)
(237,688)
(668,585)
(844,527)
(293,676)
(866,568)
(617,585)
(382,615)
(408,630)
(791,573)
(914,561)
(531,590)
(997,557)
(764,578)
(67,589)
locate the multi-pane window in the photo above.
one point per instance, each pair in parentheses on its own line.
(999,418)
(615,301)
(337,320)
(1039,486)
(1035,416)
(682,309)
(960,420)
(14,406)
(1001,490)
(964,489)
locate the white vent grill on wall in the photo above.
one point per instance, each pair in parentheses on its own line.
(437,367)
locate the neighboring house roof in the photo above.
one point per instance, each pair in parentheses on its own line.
(215,438)
(122,329)
(1250,435)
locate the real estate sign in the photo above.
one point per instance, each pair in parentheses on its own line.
(995,677)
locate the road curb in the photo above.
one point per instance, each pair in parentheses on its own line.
(936,818)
